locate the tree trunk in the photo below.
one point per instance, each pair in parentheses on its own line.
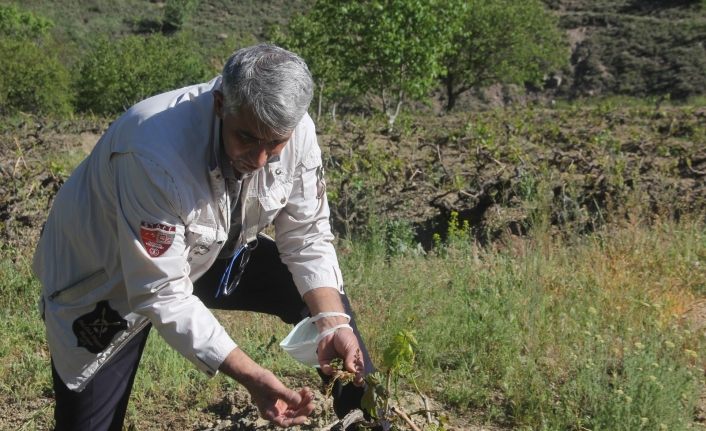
(392,116)
(321,97)
(450,94)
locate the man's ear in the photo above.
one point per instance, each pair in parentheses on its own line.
(218,103)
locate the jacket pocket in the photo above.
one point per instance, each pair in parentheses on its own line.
(276,196)
(76,291)
(201,238)
(312,159)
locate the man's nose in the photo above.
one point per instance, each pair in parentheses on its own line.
(261,157)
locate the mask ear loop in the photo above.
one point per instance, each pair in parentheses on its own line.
(330,331)
(333,329)
(328,314)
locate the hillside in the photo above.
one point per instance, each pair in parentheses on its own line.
(634,47)
(213,21)
(627,47)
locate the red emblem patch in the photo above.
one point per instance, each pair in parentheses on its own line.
(157,237)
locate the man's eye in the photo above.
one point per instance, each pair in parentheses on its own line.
(247,139)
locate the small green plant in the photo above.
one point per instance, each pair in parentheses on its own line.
(458,235)
(458,232)
(377,402)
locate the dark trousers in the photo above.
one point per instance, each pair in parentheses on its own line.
(266,287)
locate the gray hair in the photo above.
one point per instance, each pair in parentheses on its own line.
(273,82)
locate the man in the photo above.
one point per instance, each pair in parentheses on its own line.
(162,221)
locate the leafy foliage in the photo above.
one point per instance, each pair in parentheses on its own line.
(398,361)
(499,41)
(639,48)
(388,48)
(399,354)
(310,36)
(20,25)
(657,52)
(176,13)
(33,78)
(115,75)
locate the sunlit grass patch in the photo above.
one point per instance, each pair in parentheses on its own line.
(23,353)
(549,334)
(535,332)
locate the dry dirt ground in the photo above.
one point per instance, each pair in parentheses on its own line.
(237,413)
(587,166)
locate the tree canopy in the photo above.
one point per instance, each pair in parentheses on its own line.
(387,48)
(399,49)
(499,41)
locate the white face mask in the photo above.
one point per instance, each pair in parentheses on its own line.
(302,342)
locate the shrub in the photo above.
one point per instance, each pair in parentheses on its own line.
(33,79)
(115,75)
(22,25)
(176,13)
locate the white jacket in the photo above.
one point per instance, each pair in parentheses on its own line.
(146,214)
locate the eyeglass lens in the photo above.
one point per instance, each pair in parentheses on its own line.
(228,284)
(244,258)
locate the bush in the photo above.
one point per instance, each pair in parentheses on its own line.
(33,79)
(176,13)
(22,25)
(115,75)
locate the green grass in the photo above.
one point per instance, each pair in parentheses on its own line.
(545,334)
(536,334)
(25,376)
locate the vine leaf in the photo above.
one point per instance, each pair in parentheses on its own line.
(399,354)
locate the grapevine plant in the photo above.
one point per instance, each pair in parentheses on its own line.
(377,401)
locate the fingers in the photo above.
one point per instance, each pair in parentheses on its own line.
(291,408)
(326,367)
(342,344)
(296,403)
(352,357)
(279,404)
(326,352)
(307,404)
(358,367)
(289,396)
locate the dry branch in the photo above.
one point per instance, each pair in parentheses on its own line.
(399,412)
(354,416)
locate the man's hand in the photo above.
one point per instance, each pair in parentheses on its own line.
(279,404)
(276,402)
(341,344)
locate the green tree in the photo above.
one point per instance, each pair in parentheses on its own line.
(116,74)
(310,37)
(18,24)
(499,41)
(384,47)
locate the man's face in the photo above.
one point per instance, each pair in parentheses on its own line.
(247,142)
